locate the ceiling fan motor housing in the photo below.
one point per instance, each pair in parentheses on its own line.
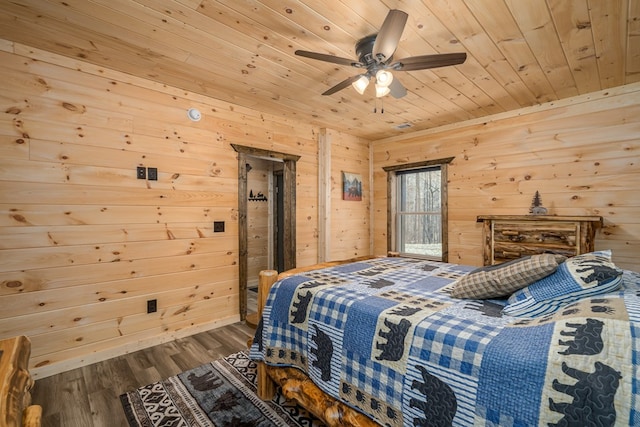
(364,48)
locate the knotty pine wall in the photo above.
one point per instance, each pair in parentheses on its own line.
(348,223)
(258,218)
(581,154)
(84,244)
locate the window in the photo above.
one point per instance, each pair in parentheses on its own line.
(419,213)
(417,222)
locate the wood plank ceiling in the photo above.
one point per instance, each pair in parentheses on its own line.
(520,52)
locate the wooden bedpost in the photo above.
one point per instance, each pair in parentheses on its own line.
(296,385)
(16,384)
(266,386)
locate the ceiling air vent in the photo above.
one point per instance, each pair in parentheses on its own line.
(403,126)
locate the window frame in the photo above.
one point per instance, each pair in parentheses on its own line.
(392,203)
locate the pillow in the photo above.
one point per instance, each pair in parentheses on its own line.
(581,276)
(495,281)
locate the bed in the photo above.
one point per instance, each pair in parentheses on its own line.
(541,340)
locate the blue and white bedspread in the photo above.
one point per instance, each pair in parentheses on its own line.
(384,336)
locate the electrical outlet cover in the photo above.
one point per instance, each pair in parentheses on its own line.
(152,306)
(141,172)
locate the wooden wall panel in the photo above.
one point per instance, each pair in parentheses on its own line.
(349,221)
(84,244)
(258,219)
(582,155)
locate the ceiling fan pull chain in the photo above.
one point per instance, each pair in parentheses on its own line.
(375,108)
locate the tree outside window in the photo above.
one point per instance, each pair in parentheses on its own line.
(417,215)
(419,212)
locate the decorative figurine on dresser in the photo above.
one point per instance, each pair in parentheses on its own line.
(507,237)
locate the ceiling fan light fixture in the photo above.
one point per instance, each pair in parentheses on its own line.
(384,78)
(382,90)
(361,84)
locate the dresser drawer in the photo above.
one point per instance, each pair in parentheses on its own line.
(513,236)
(516,239)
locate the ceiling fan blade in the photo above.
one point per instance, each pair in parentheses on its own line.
(343,84)
(328,58)
(397,90)
(424,62)
(389,35)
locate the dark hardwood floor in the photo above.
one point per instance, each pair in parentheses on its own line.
(89,396)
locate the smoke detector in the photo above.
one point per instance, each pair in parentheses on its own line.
(194,114)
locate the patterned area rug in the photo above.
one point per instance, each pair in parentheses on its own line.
(221,393)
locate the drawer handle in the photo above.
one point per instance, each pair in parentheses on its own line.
(507,254)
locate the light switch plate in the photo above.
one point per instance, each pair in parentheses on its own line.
(152,173)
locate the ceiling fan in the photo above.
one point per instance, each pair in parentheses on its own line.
(375,55)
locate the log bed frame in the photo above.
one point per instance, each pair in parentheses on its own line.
(15,384)
(295,384)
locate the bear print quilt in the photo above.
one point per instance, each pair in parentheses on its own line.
(385,337)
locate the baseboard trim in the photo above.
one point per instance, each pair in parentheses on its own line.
(125,348)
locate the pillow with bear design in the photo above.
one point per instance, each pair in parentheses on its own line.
(585,275)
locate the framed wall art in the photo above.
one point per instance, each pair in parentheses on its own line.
(351,186)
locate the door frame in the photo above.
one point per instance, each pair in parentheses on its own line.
(276,262)
(289,172)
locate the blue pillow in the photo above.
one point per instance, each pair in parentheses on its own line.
(581,276)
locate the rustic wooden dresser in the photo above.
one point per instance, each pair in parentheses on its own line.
(507,237)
